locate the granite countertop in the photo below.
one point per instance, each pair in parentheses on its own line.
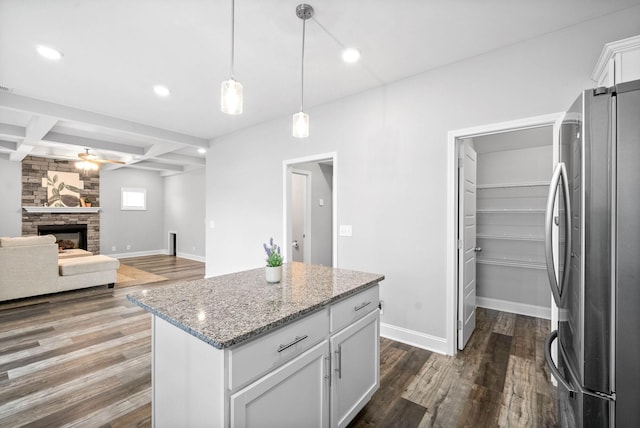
(226,310)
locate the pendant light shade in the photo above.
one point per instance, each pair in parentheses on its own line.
(301,119)
(231,96)
(301,125)
(231,90)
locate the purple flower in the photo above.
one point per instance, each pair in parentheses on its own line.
(274,258)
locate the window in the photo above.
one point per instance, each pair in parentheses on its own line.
(134,199)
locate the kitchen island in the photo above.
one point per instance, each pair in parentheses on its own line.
(235,351)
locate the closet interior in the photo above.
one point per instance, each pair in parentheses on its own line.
(513,173)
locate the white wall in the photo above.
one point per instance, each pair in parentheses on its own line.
(391,145)
(10,198)
(184,201)
(142,231)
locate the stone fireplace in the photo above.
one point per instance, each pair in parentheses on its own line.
(34,194)
(68,236)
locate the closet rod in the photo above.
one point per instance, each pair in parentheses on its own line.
(504,185)
(512,263)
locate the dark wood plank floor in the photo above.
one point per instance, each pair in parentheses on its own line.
(499,380)
(83,359)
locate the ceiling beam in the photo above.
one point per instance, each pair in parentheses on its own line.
(37,128)
(56,137)
(159,149)
(157,166)
(184,159)
(22,151)
(45,108)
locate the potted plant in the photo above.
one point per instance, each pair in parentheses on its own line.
(273,269)
(87,201)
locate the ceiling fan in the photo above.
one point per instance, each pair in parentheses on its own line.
(90,162)
(88,157)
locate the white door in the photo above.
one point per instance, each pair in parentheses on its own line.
(299,223)
(356,368)
(300,388)
(467,247)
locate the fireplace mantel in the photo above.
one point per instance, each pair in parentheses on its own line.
(61,210)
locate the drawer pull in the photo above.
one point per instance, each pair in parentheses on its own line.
(293,342)
(339,361)
(357,308)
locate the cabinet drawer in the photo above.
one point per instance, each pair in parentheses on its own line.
(250,361)
(353,308)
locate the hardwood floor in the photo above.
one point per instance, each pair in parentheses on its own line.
(499,380)
(82,358)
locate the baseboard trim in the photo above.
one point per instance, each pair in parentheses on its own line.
(192,257)
(414,338)
(137,254)
(513,307)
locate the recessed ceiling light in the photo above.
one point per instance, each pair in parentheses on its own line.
(350,55)
(202,150)
(161,91)
(49,53)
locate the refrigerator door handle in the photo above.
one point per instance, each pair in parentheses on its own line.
(559,175)
(555,371)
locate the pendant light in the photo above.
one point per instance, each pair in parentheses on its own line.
(301,119)
(231,90)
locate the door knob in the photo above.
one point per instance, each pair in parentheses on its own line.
(295,245)
(477,249)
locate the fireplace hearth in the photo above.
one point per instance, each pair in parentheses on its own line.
(68,236)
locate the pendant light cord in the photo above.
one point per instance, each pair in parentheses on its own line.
(233,32)
(304,22)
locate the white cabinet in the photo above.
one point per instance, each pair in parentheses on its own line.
(356,368)
(351,357)
(317,371)
(619,62)
(260,356)
(295,395)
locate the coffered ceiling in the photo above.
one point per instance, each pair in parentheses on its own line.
(100,96)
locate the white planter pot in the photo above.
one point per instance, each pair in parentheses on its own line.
(273,274)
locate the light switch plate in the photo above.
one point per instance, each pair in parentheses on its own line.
(346,230)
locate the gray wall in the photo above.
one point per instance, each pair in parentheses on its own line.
(143,231)
(10,198)
(184,203)
(321,227)
(391,144)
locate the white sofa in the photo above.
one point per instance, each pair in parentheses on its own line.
(29,266)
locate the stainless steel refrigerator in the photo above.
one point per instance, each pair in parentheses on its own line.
(593,227)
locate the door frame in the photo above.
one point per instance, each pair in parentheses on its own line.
(287,167)
(306,244)
(452,205)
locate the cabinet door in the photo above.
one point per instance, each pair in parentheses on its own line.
(356,368)
(295,395)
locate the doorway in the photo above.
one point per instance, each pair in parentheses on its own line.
(173,247)
(456,245)
(310,209)
(300,215)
